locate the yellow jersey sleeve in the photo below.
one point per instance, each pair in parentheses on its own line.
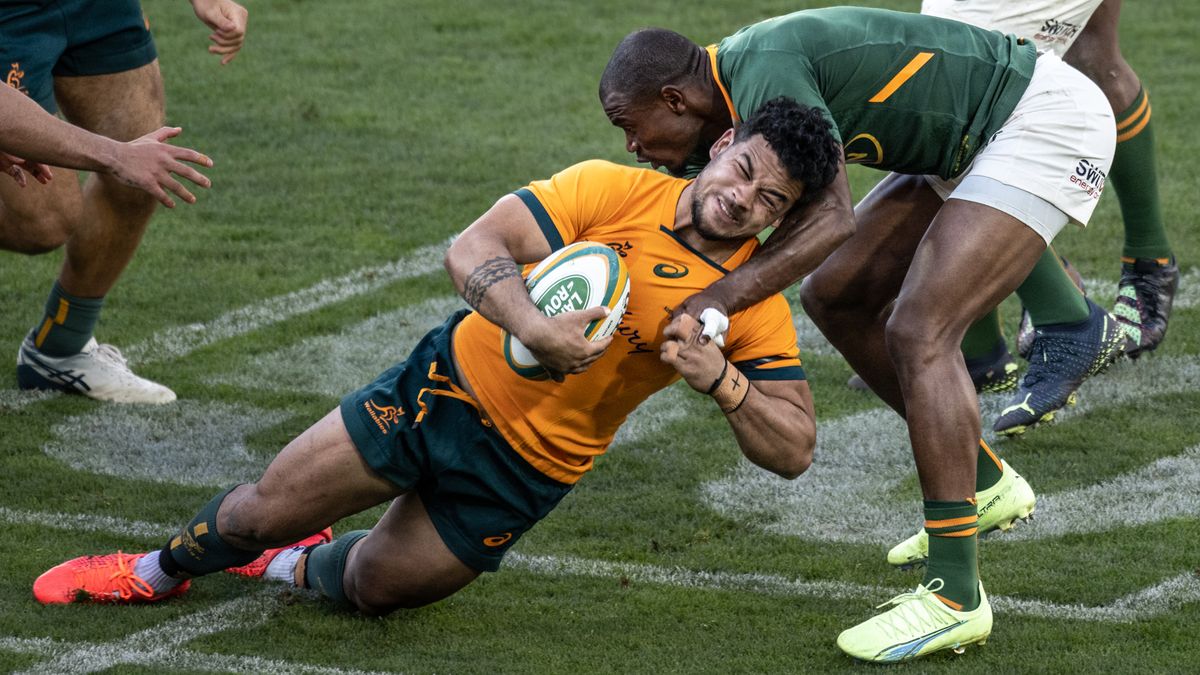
(591,195)
(762,342)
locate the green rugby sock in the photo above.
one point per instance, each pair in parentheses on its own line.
(68,323)
(325,567)
(953,552)
(1049,294)
(198,549)
(988,469)
(984,337)
(1135,179)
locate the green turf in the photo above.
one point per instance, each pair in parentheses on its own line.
(348,136)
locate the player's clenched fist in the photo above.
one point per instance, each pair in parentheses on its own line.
(695,357)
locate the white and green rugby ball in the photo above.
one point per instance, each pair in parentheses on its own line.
(580,276)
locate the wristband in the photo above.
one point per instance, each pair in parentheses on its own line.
(717,382)
(730,392)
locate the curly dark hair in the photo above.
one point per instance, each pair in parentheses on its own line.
(802,138)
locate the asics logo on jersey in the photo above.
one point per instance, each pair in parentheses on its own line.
(670,270)
(498,540)
(384,416)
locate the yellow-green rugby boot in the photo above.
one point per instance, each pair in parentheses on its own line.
(1000,507)
(917,625)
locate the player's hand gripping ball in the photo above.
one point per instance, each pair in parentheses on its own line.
(580,276)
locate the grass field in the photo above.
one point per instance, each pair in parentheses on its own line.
(351,142)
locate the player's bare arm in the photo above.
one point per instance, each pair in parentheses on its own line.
(483,262)
(772,420)
(808,234)
(38,138)
(228,21)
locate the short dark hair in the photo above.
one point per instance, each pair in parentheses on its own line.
(802,138)
(647,60)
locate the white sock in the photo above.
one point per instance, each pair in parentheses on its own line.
(283,567)
(151,572)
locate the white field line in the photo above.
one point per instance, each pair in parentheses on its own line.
(1146,603)
(162,645)
(15,399)
(186,443)
(861,459)
(179,341)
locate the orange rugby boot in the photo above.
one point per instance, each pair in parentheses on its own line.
(100,579)
(259,566)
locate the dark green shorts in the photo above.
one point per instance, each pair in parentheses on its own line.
(481,495)
(41,39)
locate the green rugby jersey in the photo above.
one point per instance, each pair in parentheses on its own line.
(905,92)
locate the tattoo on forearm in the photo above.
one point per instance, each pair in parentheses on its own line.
(488,274)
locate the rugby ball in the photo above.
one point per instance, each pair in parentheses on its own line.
(580,276)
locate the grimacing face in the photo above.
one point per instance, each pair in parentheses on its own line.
(744,189)
(655,133)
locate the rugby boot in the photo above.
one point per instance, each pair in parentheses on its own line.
(99,372)
(995,372)
(1144,298)
(99,579)
(917,624)
(1025,332)
(1061,359)
(1000,507)
(258,566)
(991,373)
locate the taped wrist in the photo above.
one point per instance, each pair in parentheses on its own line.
(730,389)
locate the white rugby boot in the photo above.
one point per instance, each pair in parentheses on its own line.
(98,371)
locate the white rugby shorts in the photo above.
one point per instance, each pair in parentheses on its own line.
(1052,24)
(1057,145)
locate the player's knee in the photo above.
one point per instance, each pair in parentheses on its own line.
(826,301)
(41,233)
(374,592)
(250,519)
(912,338)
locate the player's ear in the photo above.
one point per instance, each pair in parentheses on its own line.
(674,98)
(723,142)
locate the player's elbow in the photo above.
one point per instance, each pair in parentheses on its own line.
(795,460)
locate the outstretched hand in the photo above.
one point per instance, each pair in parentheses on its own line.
(558,342)
(228,21)
(147,163)
(16,167)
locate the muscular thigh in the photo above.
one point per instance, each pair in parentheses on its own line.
(872,263)
(319,478)
(122,105)
(972,257)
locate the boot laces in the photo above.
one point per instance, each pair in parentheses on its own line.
(124,582)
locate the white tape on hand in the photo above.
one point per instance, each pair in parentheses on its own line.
(714,325)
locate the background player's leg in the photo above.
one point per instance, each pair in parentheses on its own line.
(1149,273)
(850,295)
(103,231)
(401,563)
(122,106)
(952,281)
